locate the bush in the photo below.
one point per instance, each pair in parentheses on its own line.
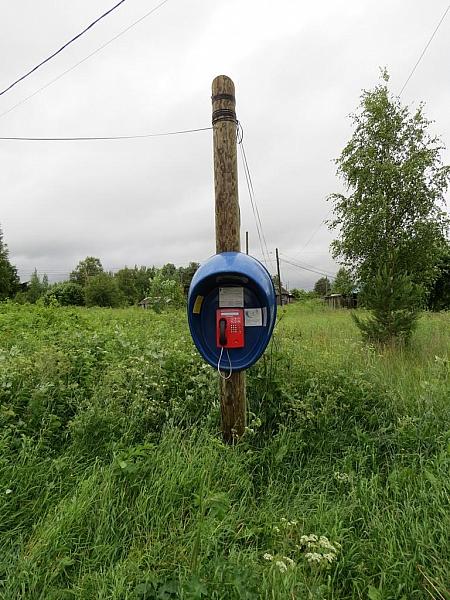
(102,290)
(164,293)
(394,302)
(66,293)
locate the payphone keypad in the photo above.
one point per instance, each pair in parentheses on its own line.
(230,328)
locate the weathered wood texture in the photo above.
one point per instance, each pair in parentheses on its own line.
(228,237)
(232,390)
(232,407)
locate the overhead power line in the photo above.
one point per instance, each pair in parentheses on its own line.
(62,47)
(425,49)
(103,138)
(289,262)
(251,193)
(120,34)
(306,265)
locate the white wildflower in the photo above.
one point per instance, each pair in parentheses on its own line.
(8,491)
(343,477)
(277,529)
(313,557)
(329,557)
(267,556)
(289,561)
(282,566)
(307,540)
(324,542)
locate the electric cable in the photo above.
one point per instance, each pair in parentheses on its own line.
(62,48)
(254,212)
(251,192)
(314,233)
(307,269)
(254,197)
(303,264)
(425,49)
(120,34)
(103,138)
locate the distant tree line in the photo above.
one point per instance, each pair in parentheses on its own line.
(90,285)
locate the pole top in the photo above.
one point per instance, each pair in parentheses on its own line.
(222,84)
(223,99)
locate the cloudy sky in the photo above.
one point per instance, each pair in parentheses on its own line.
(298,68)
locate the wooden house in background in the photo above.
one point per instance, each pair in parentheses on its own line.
(341,300)
(287,297)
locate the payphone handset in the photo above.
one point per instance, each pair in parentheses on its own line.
(230,328)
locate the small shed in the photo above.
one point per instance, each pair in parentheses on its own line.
(286,296)
(342,300)
(145,303)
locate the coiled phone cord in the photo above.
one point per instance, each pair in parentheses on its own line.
(229,361)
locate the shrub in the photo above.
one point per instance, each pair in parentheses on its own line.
(394,303)
(67,293)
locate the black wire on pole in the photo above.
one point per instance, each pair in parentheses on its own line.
(425,49)
(51,82)
(62,48)
(103,138)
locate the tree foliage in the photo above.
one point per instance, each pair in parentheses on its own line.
(103,290)
(396,181)
(9,280)
(391,223)
(165,293)
(133,283)
(36,288)
(89,267)
(343,283)
(66,293)
(322,286)
(187,273)
(439,298)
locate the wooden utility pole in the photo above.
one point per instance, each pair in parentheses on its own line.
(232,390)
(280,289)
(246,242)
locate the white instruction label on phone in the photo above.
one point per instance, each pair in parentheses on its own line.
(231,297)
(253,317)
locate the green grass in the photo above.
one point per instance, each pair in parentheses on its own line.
(114,483)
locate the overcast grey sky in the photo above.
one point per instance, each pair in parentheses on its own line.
(298,68)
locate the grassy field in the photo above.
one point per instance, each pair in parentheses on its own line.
(114,483)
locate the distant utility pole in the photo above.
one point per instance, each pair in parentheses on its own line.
(279,277)
(246,242)
(232,390)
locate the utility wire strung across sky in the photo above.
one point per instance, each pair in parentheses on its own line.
(103,138)
(123,32)
(251,192)
(324,274)
(303,264)
(425,49)
(62,48)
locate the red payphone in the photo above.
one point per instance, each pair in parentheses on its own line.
(230,328)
